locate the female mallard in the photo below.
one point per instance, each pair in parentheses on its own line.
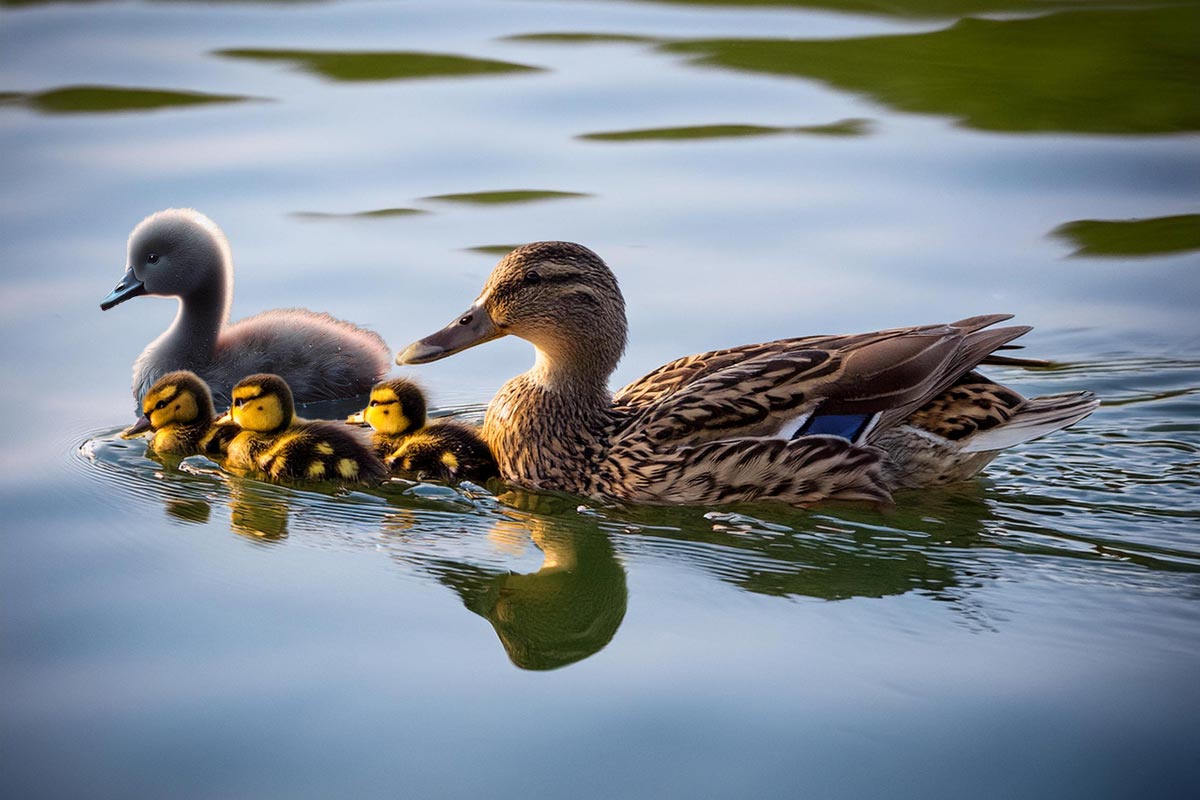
(272,441)
(182,253)
(794,420)
(179,410)
(448,451)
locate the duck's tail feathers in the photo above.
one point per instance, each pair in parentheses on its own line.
(1038,417)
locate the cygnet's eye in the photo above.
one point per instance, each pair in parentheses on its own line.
(152,258)
(160,405)
(532,277)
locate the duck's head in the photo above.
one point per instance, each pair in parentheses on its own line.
(178,253)
(262,403)
(177,398)
(396,407)
(559,296)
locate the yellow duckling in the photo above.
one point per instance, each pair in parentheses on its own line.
(273,441)
(178,408)
(448,451)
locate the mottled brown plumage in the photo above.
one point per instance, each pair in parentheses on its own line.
(794,420)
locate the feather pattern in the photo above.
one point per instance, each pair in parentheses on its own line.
(730,425)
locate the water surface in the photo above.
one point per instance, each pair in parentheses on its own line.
(750,171)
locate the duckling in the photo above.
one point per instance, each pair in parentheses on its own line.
(447,451)
(798,420)
(182,253)
(273,441)
(179,410)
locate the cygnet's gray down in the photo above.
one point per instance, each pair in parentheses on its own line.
(182,253)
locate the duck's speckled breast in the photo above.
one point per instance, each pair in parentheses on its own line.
(547,439)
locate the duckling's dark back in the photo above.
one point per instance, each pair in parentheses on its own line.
(320,450)
(448,451)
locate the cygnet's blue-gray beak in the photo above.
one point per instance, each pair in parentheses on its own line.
(129,287)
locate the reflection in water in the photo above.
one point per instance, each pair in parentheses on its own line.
(374,214)
(505,196)
(900,8)
(1116,500)
(257,510)
(567,610)
(1132,237)
(1078,71)
(379,66)
(108,99)
(845,127)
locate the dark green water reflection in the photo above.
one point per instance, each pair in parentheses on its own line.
(378,66)
(502,197)
(1115,71)
(1127,238)
(105,99)
(845,127)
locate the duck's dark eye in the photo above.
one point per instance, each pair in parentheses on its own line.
(466,320)
(238,403)
(152,258)
(532,277)
(161,404)
(373,403)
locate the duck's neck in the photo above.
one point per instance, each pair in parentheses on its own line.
(192,337)
(549,426)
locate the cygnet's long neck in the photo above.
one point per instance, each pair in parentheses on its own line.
(193,335)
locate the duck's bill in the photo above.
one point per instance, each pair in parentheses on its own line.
(224,419)
(129,287)
(136,429)
(357,418)
(472,328)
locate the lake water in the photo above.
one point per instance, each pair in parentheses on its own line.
(750,172)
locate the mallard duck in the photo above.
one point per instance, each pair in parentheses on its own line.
(272,441)
(448,451)
(182,253)
(795,420)
(178,408)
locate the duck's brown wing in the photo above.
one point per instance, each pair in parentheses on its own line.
(679,373)
(772,389)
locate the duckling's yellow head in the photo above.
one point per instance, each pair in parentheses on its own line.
(396,407)
(559,296)
(178,398)
(263,403)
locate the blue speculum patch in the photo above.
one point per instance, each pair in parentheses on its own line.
(848,426)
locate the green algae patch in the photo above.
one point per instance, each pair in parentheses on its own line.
(1132,238)
(379,66)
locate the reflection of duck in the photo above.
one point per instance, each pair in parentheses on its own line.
(274,442)
(449,451)
(179,410)
(181,253)
(795,420)
(566,611)
(256,513)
